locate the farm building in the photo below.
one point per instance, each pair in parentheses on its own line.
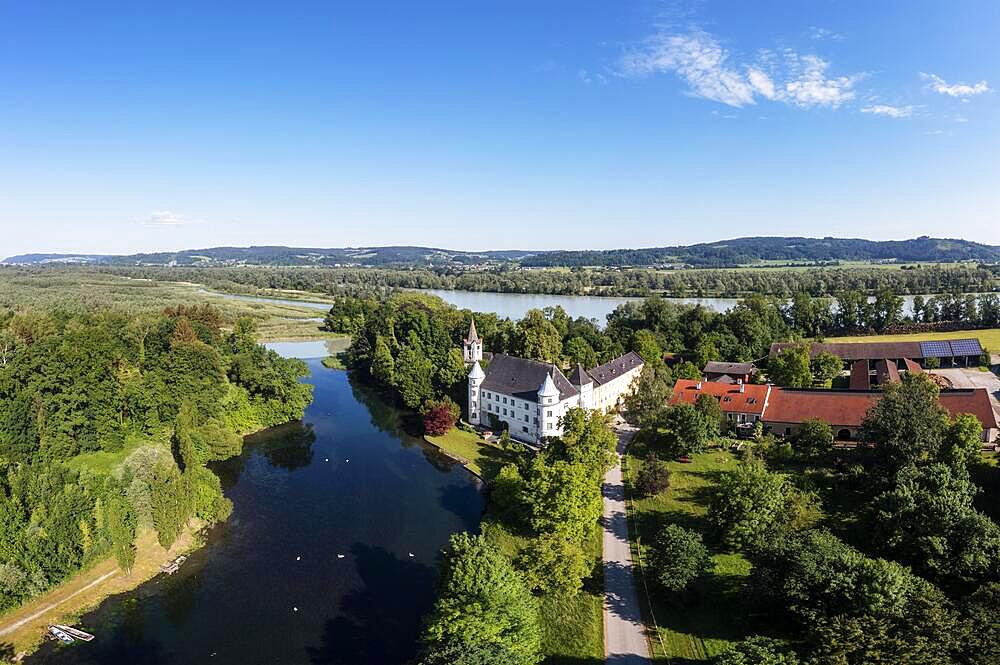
(947,353)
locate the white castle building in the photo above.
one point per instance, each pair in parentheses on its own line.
(531,397)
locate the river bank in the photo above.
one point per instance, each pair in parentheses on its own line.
(24,628)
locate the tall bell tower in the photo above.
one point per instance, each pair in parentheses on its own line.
(472,347)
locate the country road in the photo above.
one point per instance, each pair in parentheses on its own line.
(51,606)
(624,631)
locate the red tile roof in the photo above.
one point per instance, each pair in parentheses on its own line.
(848,408)
(835,407)
(860,379)
(752,400)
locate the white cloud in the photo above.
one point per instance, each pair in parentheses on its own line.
(712,73)
(823,33)
(698,59)
(942,87)
(167,218)
(889,111)
(811,87)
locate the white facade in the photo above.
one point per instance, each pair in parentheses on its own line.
(531,415)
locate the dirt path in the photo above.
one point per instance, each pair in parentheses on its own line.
(51,606)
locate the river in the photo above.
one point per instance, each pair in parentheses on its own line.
(516,305)
(270,585)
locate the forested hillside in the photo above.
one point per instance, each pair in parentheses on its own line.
(107,422)
(723,253)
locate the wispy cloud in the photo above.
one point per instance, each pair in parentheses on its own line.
(591,77)
(889,111)
(167,218)
(711,72)
(818,33)
(942,87)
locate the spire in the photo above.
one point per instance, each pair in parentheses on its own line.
(477,372)
(548,387)
(473,335)
(579,377)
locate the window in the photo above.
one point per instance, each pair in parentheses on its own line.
(473,405)
(548,426)
(526,417)
(505,411)
(536,422)
(788,431)
(549,413)
(504,400)
(524,429)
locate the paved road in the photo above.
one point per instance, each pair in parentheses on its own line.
(624,631)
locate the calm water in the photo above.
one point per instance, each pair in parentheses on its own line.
(347,481)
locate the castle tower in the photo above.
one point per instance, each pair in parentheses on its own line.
(476,376)
(548,398)
(472,347)
(584,385)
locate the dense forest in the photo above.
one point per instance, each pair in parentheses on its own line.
(745,251)
(723,253)
(107,422)
(934,279)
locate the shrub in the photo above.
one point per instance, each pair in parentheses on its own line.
(757,650)
(440,416)
(653,477)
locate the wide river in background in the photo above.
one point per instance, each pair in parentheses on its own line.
(329,557)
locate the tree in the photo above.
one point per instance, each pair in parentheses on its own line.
(687,432)
(927,520)
(121,523)
(383,367)
(814,438)
(440,416)
(749,505)
(653,477)
(537,338)
(980,634)
(645,406)
(458,652)
(507,500)
(578,351)
(826,367)
(587,439)
(711,414)
(908,424)
(564,499)
(791,368)
(413,377)
(964,441)
(553,563)
(482,600)
(678,558)
(757,650)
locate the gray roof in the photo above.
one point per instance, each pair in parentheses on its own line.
(715,367)
(612,370)
(522,378)
(579,376)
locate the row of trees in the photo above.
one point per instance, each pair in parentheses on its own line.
(818,281)
(486,611)
(76,390)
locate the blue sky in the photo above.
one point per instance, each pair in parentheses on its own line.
(149,126)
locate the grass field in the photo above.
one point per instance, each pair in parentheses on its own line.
(989,338)
(83,290)
(719,615)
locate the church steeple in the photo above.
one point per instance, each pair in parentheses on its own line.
(472,347)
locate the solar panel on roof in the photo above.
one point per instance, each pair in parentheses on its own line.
(966,347)
(935,349)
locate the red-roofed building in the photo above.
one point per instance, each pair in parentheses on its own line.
(844,411)
(740,402)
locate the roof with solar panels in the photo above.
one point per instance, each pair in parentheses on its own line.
(946,348)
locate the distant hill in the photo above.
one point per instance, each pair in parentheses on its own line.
(746,251)
(723,253)
(285,256)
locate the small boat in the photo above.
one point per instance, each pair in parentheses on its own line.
(181,559)
(60,635)
(75,633)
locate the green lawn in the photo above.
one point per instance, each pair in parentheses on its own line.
(482,458)
(989,338)
(719,615)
